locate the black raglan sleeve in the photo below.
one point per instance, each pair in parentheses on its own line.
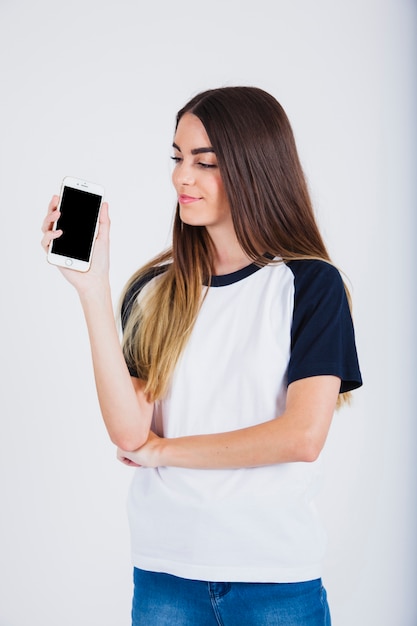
(322,333)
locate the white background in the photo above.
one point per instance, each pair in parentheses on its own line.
(90,89)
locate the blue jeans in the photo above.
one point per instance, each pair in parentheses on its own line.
(165,600)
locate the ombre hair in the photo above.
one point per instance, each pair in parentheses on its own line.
(271,212)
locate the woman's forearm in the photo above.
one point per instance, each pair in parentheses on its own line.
(298,434)
(125,410)
(126,413)
(265,444)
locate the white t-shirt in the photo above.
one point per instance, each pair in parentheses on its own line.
(258,330)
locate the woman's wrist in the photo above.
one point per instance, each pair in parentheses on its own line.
(99,292)
(160,452)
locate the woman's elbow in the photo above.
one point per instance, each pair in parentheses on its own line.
(129,441)
(309,448)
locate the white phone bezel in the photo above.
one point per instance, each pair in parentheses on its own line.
(65,261)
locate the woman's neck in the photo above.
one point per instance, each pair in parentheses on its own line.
(228,264)
(228,254)
(229,258)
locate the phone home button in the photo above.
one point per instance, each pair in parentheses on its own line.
(68,262)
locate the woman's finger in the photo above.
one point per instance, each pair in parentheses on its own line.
(52,215)
(49,236)
(104,221)
(49,221)
(124,459)
(53,203)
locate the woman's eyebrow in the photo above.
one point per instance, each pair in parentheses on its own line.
(195,150)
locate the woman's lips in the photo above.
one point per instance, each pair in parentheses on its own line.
(184,199)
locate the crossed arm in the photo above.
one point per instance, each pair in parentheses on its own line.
(297,435)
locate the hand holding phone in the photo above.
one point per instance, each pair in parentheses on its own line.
(79,208)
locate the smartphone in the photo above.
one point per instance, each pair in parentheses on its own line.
(80,203)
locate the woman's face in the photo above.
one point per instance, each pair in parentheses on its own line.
(196,177)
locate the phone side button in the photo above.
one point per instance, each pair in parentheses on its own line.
(68,262)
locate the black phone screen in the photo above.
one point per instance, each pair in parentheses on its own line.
(79,213)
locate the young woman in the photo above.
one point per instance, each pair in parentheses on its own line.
(238,345)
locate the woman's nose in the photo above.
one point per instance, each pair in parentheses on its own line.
(183,174)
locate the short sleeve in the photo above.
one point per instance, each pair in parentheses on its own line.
(322,333)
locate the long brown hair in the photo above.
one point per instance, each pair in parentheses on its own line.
(272,216)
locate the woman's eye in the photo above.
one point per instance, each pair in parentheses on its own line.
(200,164)
(207,165)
